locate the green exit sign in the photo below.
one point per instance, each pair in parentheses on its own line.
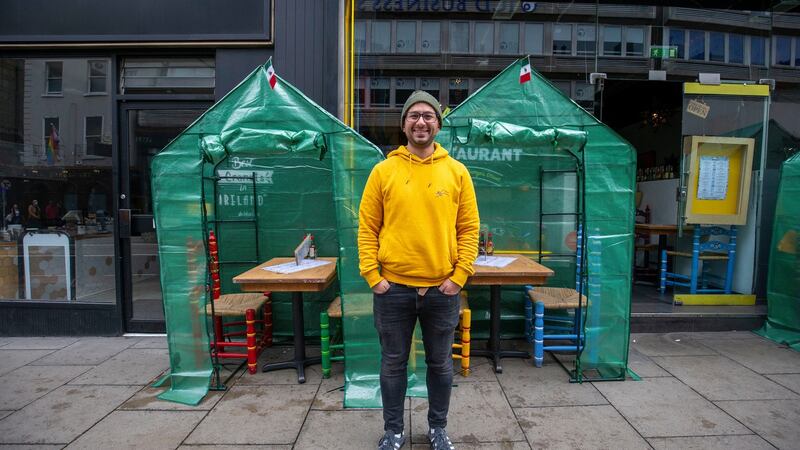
(664,52)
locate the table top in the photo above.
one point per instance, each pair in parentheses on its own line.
(522,270)
(310,280)
(661,228)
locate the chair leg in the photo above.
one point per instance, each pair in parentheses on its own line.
(252,354)
(663,285)
(325,342)
(267,329)
(466,322)
(538,335)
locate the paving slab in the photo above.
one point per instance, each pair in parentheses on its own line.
(330,396)
(62,415)
(746,442)
(271,414)
(790,381)
(527,386)
(479,412)
(14,359)
(480,371)
(30,447)
(151,342)
(760,355)
(152,430)
(716,335)
(5,340)
(342,429)
(147,400)
(774,420)
(234,447)
(39,343)
(129,367)
(575,427)
(5,413)
(644,366)
(669,344)
(720,378)
(26,384)
(283,376)
(87,351)
(665,407)
(514,445)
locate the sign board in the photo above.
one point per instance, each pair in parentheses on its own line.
(664,52)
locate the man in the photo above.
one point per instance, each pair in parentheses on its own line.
(417,240)
(34,215)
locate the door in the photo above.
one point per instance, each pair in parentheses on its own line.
(145,129)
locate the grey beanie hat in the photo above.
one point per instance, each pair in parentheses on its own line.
(421,97)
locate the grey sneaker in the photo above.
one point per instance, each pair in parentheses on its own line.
(391,441)
(439,439)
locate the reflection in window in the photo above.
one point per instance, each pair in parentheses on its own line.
(379,92)
(562,39)
(431,37)
(93,134)
(757,50)
(586,39)
(431,86)
(406,37)
(534,35)
(697,45)
(54,81)
(563,86)
(360,36)
(360,92)
(459,37)
(380,37)
(484,37)
(797,53)
(458,91)
(509,38)
(677,38)
(783,50)
(735,49)
(51,144)
(612,41)
(634,41)
(478,83)
(716,47)
(403,87)
(97,76)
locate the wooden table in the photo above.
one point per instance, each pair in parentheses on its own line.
(311,280)
(522,271)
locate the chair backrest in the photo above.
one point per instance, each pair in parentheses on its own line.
(578,257)
(713,244)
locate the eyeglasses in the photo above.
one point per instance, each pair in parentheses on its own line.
(427,117)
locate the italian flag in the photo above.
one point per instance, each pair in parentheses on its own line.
(525,73)
(273,79)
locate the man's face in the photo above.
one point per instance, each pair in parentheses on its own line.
(420,132)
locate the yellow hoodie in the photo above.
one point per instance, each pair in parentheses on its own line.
(418,221)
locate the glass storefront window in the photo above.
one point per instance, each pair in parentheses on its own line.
(562,39)
(458,91)
(612,41)
(459,37)
(406,41)
(360,92)
(484,38)
(634,41)
(403,88)
(431,86)
(360,37)
(758,51)
(797,52)
(55,151)
(380,36)
(735,49)
(379,92)
(534,36)
(586,39)
(697,45)
(431,37)
(677,38)
(783,50)
(509,38)
(716,47)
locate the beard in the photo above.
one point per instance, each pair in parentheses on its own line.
(420,140)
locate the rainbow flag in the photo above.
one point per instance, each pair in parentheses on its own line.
(52,145)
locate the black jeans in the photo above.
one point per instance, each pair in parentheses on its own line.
(396,313)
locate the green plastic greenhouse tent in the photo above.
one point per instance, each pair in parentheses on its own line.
(542,167)
(302,171)
(783,297)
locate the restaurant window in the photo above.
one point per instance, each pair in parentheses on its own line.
(758,51)
(677,38)
(586,39)
(360,37)
(379,92)
(509,39)
(484,38)
(93,135)
(562,39)
(783,50)
(431,37)
(406,40)
(403,87)
(431,86)
(634,41)
(458,91)
(735,49)
(360,92)
(716,46)
(612,41)
(380,36)
(54,80)
(459,37)
(697,45)
(534,37)
(98,71)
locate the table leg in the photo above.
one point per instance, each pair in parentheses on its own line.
(493,350)
(300,360)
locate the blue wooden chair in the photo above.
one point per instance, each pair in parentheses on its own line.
(705,248)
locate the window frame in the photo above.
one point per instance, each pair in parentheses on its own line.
(86,136)
(46,133)
(89,77)
(474,31)
(47,78)
(468,47)
(553,39)
(524,37)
